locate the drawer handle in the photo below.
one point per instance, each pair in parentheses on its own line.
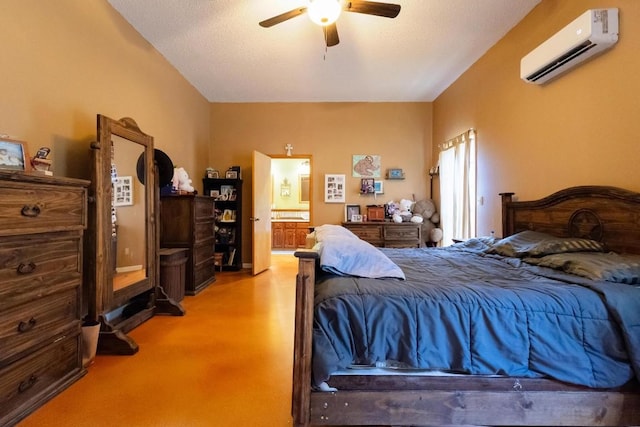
(26,385)
(26,268)
(26,326)
(30,211)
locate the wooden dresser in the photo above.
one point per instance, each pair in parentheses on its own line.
(43,220)
(188,221)
(388,234)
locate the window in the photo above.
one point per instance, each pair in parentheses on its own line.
(457,163)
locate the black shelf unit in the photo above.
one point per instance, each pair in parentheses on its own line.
(228,196)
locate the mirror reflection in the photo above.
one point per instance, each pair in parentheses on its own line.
(128,213)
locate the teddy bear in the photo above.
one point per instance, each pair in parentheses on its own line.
(403,212)
(427,210)
(181,181)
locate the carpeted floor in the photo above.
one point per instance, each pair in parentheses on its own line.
(226,363)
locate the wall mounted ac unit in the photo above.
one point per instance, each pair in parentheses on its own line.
(591,33)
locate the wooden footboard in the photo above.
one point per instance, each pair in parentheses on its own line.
(305,280)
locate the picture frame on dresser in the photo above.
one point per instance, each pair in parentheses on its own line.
(350,211)
(14,155)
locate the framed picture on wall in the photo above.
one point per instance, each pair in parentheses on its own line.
(378,186)
(367,186)
(123,191)
(334,188)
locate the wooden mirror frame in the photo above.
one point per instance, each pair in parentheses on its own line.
(139,297)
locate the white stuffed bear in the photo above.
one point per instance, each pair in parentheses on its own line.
(181,181)
(405,209)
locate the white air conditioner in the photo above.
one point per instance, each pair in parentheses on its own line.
(591,33)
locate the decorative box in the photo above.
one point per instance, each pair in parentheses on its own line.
(375,213)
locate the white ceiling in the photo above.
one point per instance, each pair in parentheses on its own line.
(219,47)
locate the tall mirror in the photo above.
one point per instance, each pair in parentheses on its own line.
(122,244)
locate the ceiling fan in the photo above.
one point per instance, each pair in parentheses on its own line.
(326,12)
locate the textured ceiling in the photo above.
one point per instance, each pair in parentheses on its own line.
(219,47)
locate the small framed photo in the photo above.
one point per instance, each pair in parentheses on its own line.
(214,193)
(367,186)
(356,218)
(378,186)
(395,174)
(231,174)
(13,155)
(213,173)
(229,215)
(350,211)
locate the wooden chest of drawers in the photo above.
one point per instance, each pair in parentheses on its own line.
(188,221)
(43,219)
(388,234)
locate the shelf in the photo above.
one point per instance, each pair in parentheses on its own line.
(228,219)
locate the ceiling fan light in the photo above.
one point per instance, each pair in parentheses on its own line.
(324,12)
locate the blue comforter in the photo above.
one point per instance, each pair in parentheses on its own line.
(463,311)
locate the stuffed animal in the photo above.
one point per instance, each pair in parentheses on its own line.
(427,210)
(181,181)
(405,209)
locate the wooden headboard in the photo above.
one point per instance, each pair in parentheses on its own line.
(607,214)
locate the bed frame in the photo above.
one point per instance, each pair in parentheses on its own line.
(610,215)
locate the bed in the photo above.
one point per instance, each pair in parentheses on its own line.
(469,387)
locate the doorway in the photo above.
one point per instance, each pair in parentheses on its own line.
(291,201)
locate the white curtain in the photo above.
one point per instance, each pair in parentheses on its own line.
(457,162)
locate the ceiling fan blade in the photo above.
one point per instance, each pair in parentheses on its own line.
(282,17)
(386,10)
(331,34)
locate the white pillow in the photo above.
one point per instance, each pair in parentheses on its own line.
(329,230)
(346,256)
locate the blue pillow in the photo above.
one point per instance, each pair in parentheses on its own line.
(596,266)
(535,244)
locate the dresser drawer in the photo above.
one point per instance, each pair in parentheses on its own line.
(38,376)
(402,232)
(370,233)
(204,274)
(27,265)
(36,322)
(204,208)
(27,209)
(203,253)
(204,231)
(405,235)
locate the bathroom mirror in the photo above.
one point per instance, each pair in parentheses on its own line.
(122,243)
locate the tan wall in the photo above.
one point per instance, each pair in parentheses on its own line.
(65,61)
(331,132)
(578,129)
